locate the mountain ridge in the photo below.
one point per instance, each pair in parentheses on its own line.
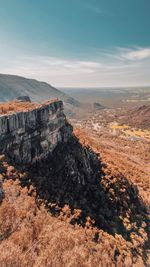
(13,86)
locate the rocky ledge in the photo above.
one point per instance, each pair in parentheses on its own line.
(29,135)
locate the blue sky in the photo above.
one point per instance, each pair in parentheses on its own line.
(76,43)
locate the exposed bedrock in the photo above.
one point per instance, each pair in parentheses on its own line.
(30,136)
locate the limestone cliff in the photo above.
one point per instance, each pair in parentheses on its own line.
(38,136)
(30,135)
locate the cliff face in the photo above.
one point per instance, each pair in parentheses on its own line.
(29,136)
(38,136)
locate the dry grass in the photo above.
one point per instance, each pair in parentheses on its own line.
(16,106)
(131,163)
(31,237)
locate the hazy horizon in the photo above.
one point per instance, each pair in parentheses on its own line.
(79,87)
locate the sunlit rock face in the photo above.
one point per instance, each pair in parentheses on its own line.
(28,136)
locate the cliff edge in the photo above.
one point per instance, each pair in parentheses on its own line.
(29,131)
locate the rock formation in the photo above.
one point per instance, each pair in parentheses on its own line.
(23,98)
(30,135)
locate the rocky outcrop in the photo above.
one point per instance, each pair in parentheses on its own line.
(23,98)
(40,137)
(29,136)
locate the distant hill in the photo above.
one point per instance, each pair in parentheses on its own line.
(97,106)
(139,117)
(12,86)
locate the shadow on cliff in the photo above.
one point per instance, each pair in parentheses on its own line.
(75,175)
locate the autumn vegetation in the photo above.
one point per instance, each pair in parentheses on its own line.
(17,106)
(36,232)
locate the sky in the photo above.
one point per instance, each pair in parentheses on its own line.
(77,43)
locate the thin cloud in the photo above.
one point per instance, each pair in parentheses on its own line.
(136,54)
(64,67)
(121,66)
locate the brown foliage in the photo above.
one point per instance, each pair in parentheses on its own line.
(30,236)
(16,106)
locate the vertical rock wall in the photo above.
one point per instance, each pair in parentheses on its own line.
(31,135)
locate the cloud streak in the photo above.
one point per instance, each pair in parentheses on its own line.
(121,66)
(138,54)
